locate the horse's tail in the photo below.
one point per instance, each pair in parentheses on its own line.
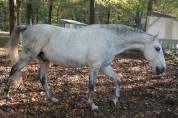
(12,46)
(13,42)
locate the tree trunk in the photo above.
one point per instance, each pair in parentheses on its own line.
(36,18)
(138,19)
(18,11)
(12,14)
(108,16)
(1,14)
(149,11)
(92,12)
(29,12)
(150,7)
(57,14)
(50,11)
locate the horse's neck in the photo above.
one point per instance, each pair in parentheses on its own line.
(130,46)
(131,42)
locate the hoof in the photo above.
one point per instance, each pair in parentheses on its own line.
(115,105)
(114,101)
(94,108)
(53,99)
(6,96)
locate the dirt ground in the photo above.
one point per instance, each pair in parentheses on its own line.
(143,94)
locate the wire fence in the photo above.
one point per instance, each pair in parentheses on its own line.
(170,44)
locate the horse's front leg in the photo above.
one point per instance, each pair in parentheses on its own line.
(92,81)
(111,73)
(44,80)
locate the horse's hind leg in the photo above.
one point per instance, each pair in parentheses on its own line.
(14,71)
(43,74)
(110,72)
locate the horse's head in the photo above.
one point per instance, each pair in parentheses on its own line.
(154,54)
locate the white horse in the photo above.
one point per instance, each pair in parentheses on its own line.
(94,46)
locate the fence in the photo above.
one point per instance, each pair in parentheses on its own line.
(170,44)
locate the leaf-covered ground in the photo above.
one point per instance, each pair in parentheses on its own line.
(143,94)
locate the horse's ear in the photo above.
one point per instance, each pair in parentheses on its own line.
(155,36)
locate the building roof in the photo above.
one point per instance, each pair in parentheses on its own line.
(162,15)
(72,22)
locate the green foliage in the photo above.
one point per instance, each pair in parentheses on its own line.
(4,15)
(168,7)
(124,11)
(112,11)
(171,52)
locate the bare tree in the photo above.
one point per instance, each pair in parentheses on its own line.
(29,12)
(138,18)
(50,10)
(92,12)
(149,11)
(18,11)
(12,14)
(150,7)
(108,15)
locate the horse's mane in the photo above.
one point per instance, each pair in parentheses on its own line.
(119,28)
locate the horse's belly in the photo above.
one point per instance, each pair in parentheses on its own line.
(68,62)
(66,51)
(66,58)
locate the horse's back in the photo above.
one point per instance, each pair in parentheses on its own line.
(73,47)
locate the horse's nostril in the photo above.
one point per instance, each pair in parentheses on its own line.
(160,70)
(157,69)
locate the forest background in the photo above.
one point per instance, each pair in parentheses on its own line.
(129,12)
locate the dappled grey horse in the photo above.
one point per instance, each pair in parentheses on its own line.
(94,46)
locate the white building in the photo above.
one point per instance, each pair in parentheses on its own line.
(166,26)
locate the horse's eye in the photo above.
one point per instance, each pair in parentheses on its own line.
(157,49)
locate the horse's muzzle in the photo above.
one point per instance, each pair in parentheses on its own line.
(159,70)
